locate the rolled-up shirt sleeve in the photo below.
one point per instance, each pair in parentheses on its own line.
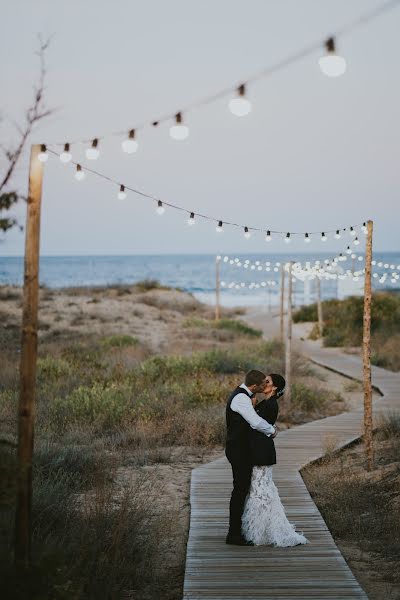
(242,405)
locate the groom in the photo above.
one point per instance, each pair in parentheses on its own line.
(240,418)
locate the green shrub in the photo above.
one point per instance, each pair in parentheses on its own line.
(239,327)
(50,367)
(305,314)
(119,341)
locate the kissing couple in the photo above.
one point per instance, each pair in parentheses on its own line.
(256,514)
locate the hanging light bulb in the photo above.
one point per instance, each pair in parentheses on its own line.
(79,173)
(356,241)
(179,131)
(332,64)
(121,193)
(66,155)
(337,234)
(43,156)
(352,231)
(218,228)
(93,152)
(191,220)
(160,210)
(307,238)
(130,145)
(240,106)
(287,238)
(268,236)
(323,237)
(247,233)
(348,250)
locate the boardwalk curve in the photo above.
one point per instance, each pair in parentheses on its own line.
(317,570)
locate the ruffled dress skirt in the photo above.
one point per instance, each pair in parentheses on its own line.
(264,521)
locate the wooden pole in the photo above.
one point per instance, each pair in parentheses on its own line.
(319,308)
(282,322)
(26,411)
(367,350)
(288,349)
(217,288)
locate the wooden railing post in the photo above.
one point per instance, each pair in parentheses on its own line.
(288,349)
(367,350)
(217,287)
(282,322)
(319,307)
(26,411)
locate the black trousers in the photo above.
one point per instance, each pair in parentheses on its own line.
(241,469)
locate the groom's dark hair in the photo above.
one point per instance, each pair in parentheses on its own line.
(254,377)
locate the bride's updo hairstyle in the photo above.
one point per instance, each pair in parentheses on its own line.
(279,382)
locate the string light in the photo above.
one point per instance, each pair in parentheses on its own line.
(307,238)
(179,131)
(356,241)
(332,64)
(66,155)
(337,234)
(323,237)
(268,236)
(218,228)
(160,210)
(130,145)
(43,156)
(122,193)
(364,228)
(247,233)
(352,231)
(191,220)
(240,106)
(79,173)
(287,238)
(93,152)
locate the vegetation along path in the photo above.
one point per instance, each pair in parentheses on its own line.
(316,570)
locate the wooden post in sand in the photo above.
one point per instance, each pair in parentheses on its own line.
(367,350)
(217,287)
(288,348)
(26,410)
(282,322)
(319,309)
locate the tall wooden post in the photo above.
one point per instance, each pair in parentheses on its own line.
(26,411)
(282,322)
(288,349)
(319,308)
(367,350)
(217,287)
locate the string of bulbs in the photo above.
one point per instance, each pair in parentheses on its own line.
(331,64)
(160,206)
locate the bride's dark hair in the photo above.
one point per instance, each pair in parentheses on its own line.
(279,382)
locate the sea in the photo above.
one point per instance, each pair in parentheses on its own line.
(193,273)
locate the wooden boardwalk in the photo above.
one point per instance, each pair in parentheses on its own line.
(215,570)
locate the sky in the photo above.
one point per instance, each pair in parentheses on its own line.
(314,154)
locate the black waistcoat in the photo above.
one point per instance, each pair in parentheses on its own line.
(237,428)
(262,447)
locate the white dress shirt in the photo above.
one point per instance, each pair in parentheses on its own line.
(242,404)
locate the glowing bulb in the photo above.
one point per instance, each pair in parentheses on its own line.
(307,238)
(337,234)
(356,241)
(43,156)
(79,174)
(352,231)
(364,228)
(179,131)
(240,106)
(218,228)
(247,233)
(268,236)
(323,237)
(160,210)
(66,155)
(122,193)
(348,250)
(191,220)
(93,152)
(287,238)
(130,145)
(332,64)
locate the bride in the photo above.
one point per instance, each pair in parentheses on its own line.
(264,520)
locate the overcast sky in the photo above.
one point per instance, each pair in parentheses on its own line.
(314,154)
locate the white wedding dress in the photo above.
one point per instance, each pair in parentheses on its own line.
(264,520)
